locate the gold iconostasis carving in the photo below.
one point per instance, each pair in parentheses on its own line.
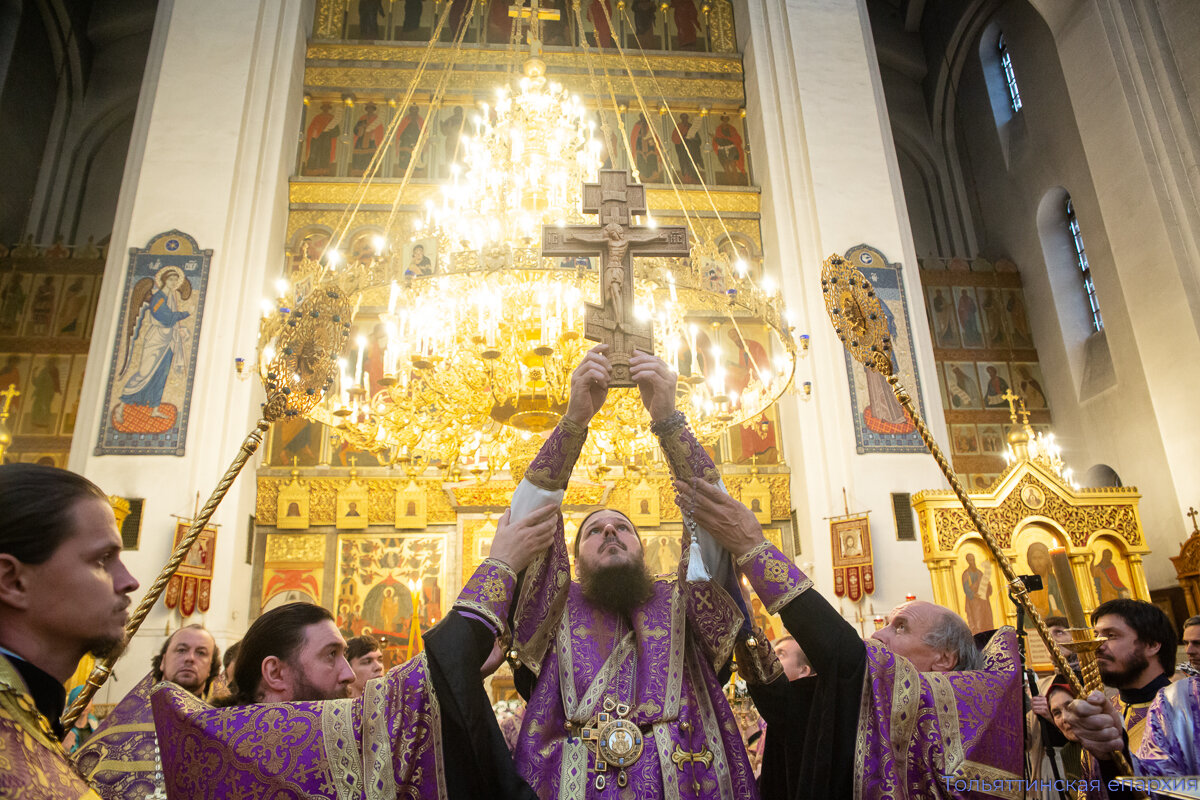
(1032,511)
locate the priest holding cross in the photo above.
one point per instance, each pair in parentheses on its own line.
(613,322)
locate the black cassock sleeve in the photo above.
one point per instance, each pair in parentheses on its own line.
(477,761)
(812,723)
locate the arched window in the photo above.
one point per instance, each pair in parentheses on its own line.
(1010,77)
(1084,268)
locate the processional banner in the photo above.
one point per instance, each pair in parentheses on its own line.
(149,390)
(191,585)
(880,424)
(853,561)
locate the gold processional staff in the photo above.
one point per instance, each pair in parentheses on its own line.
(306,345)
(860,322)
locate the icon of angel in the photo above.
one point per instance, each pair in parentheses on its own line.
(156,342)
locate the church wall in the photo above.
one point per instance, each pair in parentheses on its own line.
(828,186)
(212,145)
(1123,426)
(27,100)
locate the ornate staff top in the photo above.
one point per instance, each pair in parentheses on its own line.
(857,315)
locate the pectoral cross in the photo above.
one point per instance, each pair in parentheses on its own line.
(613,322)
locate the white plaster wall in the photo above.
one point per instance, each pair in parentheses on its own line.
(830,180)
(1102,119)
(210,155)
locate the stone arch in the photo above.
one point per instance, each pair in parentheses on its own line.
(96,149)
(1101,476)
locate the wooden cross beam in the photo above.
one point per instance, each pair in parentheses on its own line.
(616,198)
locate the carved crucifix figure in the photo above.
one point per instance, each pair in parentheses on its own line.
(612,322)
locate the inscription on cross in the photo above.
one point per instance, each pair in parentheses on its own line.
(615,198)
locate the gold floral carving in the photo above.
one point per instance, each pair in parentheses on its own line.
(295,547)
(1080,518)
(720,63)
(361,78)
(328,22)
(322,192)
(381,499)
(721,24)
(381,193)
(265,509)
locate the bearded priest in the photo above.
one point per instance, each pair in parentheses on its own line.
(621,670)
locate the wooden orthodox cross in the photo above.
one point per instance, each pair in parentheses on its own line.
(612,322)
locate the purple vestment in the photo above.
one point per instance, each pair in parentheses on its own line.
(386,743)
(121,758)
(660,674)
(921,734)
(1171,740)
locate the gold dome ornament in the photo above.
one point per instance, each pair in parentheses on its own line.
(857,314)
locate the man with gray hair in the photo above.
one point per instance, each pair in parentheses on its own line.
(916,705)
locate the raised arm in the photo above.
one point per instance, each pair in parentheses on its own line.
(542,590)
(829,641)
(685,455)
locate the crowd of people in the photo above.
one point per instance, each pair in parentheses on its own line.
(621,671)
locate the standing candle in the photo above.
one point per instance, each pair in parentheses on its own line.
(1067,588)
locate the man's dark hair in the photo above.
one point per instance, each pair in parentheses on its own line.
(359,646)
(1057,622)
(36,503)
(594,512)
(1148,622)
(214,668)
(281,633)
(1190,621)
(231,654)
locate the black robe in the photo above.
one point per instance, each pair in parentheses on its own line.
(812,722)
(478,763)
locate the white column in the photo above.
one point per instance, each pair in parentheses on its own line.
(212,148)
(826,162)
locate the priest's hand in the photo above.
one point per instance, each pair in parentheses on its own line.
(729,522)
(1097,724)
(589,385)
(656,382)
(517,543)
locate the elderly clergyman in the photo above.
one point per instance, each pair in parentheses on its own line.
(916,711)
(121,757)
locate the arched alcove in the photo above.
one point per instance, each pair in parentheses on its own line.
(1101,476)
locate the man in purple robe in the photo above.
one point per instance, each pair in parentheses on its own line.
(620,670)
(396,740)
(120,759)
(914,712)
(1171,743)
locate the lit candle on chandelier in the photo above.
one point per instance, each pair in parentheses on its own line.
(908,598)
(358,367)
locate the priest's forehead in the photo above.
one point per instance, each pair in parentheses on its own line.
(599,518)
(919,611)
(602,516)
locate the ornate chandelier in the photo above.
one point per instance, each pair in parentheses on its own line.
(461,359)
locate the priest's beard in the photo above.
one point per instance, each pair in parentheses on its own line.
(1119,674)
(304,689)
(106,647)
(619,588)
